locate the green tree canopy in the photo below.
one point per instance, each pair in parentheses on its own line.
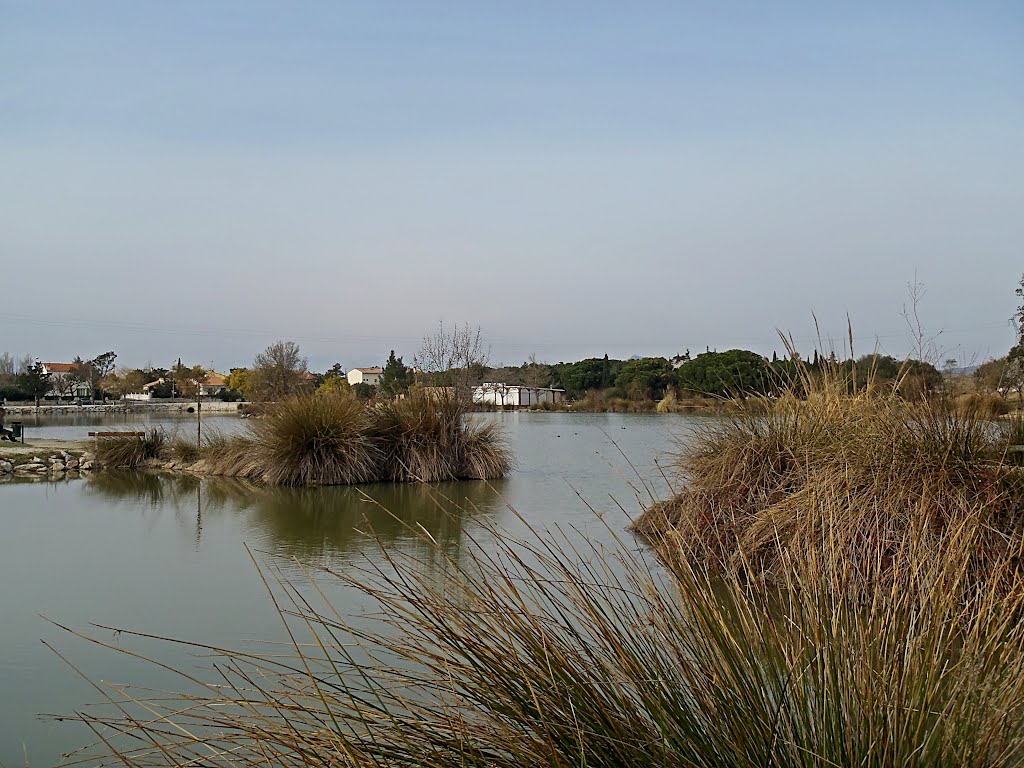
(736,372)
(593,373)
(645,378)
(396,378)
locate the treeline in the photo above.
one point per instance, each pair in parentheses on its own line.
(730,374)
(22,378)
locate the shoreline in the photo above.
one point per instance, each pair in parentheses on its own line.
(140,406)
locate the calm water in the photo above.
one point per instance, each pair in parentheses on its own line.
(168,555)
(77,426)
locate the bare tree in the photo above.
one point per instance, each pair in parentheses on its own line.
(454,357)
(924,345)
(538,375)
(278,371)
(8,366)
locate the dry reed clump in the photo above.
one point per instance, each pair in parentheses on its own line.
(548,653)
(429,439)
(233,456)
(129,451)
(983,406)
(337,440)
(842,480)
(184,449)
(316,440)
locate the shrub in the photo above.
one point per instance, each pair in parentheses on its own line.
(428,439)
(316,440)
(981,406)
(185,449)
(842,481)
(129,451)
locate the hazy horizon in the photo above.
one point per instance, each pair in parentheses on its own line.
(195,180)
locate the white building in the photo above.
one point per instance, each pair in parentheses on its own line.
(515,395)
(371,376)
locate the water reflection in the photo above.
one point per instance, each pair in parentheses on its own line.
(313,523)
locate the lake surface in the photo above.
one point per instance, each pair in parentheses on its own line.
(77,426)
(167,555)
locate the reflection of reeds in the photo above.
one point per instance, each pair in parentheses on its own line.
(317,522)
(557,655)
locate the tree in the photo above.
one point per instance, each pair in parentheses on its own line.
(100,367)
(454,357)
(364,391)
(537,375)
(8,367)
(396,378)
(240,381)
(734,373)
(593,373)
(1019,317)
(645,378)
(1014,376)
(187,379)
(990,376)
(34,382)
(334,385)
(278,371)
(68,384)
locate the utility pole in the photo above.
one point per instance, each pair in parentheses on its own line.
(199,414)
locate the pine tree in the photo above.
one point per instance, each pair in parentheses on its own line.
(396,378)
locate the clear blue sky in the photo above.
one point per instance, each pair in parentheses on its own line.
(198,179)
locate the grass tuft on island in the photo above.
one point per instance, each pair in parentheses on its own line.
(335,439)
(840,480)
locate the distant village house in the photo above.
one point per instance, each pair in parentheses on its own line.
(63,382)
(371,376)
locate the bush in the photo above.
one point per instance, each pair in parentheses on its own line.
(129,451)
(988,406)
(185,449)
(428,439)
(335,439)
(316,440)
(842,481)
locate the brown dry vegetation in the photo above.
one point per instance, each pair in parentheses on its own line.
(840,593)
(844,480)
(334,439)
(548,653)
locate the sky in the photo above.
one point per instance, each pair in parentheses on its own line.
(198,179)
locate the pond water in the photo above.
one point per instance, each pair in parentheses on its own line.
(77,426)
(168,555)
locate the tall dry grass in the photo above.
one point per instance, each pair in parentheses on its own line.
(556,653)
(432,439)
(338,440)
(317,440)
(839,478)
(129,451)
